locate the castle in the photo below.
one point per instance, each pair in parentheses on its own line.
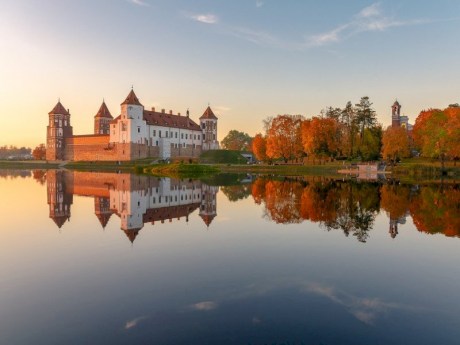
(136,133)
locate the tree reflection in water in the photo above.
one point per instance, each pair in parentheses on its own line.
(352,206)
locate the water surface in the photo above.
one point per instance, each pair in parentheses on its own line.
(120,259)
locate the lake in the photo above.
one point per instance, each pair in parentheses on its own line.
(91,258)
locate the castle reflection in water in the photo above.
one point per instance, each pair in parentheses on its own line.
(348,206)
(135,199)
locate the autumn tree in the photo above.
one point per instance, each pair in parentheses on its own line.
(39,153)
(321,136)
(259,147)
(284,137)
(431,134)
(371,143)
(395,144)
(349,128)
(236,140)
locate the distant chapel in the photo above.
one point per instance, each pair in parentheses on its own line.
(136,133)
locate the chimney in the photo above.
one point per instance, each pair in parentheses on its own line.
(163,111)
(178,114)
(170,112)
(153,108)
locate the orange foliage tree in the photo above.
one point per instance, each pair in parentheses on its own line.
(284,137)
(437,133)
(39,153)
(259,147)
(321,136)
(395,144)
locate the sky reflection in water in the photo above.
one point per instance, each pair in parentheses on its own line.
(265,261)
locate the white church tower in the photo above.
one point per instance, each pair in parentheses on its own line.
(208,124)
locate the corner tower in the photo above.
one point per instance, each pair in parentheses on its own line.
(102,120)
(396,114)
(208,124)
(57,131)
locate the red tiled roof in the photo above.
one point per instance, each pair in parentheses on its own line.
(208,114)
(104,112)
(59,109)
(131,99)
(115,119)
(207,219)
(169,212)
(103,218)
(167,120)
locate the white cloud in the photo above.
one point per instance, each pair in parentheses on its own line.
(259,3)
(370,11)
(205,18)
(139,3)
(133,323)
(204,306)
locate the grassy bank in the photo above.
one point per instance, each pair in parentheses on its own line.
(181,170)
(7,164)
(424,168)
(329,169)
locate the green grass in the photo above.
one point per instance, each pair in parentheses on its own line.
(222,157)
(181,170)
(420,167)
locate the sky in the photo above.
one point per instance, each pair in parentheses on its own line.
(248,59)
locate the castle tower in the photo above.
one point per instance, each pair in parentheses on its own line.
(57,131)
(102,210)
(208,124)
(58,200)
(208,207)
(102,120)
(396,114)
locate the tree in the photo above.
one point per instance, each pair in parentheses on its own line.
(431,134)
(349,128)
(395,144)
(39,153)
(321,136)
(236,140)
(284,137)
(259,147)
(365,115)
(371,143)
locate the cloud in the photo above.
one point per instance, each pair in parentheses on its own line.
(133,323)
(370,11)
(204,306)
(366,310)
(259,3)
(205,18)
(139,3)
(369,19)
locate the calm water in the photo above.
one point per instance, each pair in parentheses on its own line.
(91,258)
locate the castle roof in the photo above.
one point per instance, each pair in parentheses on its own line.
(154,118)
(103,112)
(131,234)
(208,114)
(103,218)
(207,218)
(396,103)
(59,109)
(59,220)
(132,99)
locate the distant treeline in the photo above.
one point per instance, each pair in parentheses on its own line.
(13,151)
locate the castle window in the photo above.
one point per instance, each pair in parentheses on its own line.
(159,134)
(166,134)
(154,132)
(182,136)
(138,129)
(176,135)
(157,143)
(199,137)
(186,136)
(203,125)
(123,126)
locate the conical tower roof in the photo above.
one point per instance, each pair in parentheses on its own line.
(103,112)
(132,99)
(59,109)
(207,218)
(59,220)
(131,234)
(104,218)
(208,114)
